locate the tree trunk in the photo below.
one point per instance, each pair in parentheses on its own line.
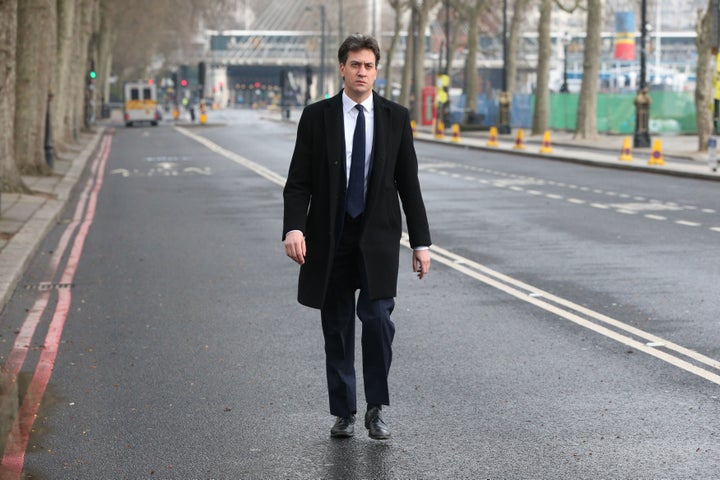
(35,57)
(406,84)
(514,42)
(397,8)
(704,80)
(62,102)
(471,75)
(9,174)
(541,114)
(587,106)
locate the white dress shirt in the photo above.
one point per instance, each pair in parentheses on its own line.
(350,114)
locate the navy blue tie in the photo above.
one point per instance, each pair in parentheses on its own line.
(356,183)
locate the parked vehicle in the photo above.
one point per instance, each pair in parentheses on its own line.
(141,103)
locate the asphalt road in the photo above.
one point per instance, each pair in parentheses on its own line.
(568,327)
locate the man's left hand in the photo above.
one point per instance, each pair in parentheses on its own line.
(421,262)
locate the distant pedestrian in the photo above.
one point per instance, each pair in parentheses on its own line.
(354,161)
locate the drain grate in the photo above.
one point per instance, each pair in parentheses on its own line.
(43,286)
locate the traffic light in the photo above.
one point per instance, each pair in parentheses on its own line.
(201,73)
(175,80)
(184,73)
(91,73)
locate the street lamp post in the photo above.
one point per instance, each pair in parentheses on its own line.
(322,50)
(505,98)
(641,138)
(321,82)
(446,106)
(566,42)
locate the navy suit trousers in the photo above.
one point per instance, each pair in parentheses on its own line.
(338,323)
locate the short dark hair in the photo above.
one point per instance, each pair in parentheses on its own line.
(358,41)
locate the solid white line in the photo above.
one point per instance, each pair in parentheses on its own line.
(239,159)
(532,295)
(446,257)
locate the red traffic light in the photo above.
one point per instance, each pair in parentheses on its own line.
(151,81)
(183,82)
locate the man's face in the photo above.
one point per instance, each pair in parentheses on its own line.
(359,72)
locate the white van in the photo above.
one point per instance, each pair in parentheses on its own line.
(141,103)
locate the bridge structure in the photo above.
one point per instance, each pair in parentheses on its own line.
(249,66)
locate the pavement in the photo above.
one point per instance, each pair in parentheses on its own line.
(679,153)
(25,219)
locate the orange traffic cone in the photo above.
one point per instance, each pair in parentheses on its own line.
(626,152)
(455,132)
(656,157)
(546,147)
(413,127)
(493,137)
(520,140)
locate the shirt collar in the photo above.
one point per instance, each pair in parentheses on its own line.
(349,104)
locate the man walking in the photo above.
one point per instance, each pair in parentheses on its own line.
(353,158)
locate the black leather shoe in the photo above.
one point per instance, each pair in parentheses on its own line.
(375,424)
(344,427)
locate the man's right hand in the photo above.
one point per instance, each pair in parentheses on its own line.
(295,246)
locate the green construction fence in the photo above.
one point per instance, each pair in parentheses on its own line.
(670,112)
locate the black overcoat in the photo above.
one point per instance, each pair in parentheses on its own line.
(314,196)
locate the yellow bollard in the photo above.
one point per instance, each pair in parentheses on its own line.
(203,113)
(546,145)
(520,140)
(176,113)
(656,157)
(493,137)
(439,130)
(626,152)
(455,132)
